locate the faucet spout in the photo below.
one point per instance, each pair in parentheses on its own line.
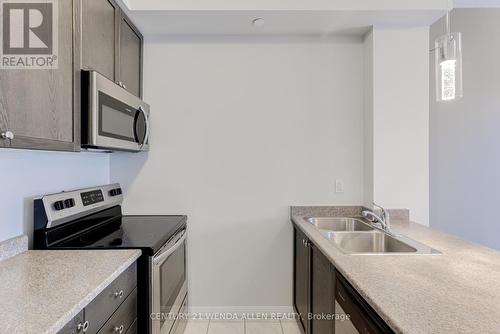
(383,219)
(385,216)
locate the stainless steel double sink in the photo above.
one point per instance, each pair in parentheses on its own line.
(355,236)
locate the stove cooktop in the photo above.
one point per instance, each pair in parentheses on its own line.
(148,233)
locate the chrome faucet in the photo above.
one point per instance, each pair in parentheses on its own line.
(383,219)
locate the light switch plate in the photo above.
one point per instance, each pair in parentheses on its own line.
(339,186)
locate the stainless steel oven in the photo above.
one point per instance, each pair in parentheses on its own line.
(169,286)
(112,118)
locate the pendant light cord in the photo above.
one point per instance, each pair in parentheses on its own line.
(448,29)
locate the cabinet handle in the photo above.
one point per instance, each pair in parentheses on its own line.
(83,327)
(306,243)
(118,294)
(7,135)
(118,329)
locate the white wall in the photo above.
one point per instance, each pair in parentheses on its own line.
(242,129)
(26,174)
(400,119)
(465,159)
(368,120)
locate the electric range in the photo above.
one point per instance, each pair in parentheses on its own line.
(92,218)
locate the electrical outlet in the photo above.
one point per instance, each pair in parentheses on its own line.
(339,186)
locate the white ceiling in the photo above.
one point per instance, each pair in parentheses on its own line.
(286,17)
(354,5)
(276,22)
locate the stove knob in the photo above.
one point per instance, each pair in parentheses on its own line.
(69,203)
(59,205)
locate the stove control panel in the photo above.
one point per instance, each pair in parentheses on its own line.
(92,197)
(68,205)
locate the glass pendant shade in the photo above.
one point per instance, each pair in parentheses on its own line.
(448,50)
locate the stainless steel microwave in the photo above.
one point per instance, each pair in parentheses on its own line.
(112,118)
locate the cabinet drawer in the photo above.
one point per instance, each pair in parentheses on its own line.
(105,304)
(123,318)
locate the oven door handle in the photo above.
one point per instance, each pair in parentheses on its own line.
(160,258)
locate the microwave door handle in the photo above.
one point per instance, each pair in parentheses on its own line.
(146,120)
(160,258)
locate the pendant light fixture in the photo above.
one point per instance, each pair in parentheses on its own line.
(448,49)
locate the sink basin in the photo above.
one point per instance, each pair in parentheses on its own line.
(369,243)
(354,236)
(339,224)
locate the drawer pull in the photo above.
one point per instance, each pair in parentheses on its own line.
(83,327)
(118,294)
(118,329)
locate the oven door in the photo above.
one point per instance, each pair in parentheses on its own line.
(119,120)
(169,283)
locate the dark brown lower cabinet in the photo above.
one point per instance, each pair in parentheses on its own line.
(301,278)
(114,310)
(325,301)
(322,294)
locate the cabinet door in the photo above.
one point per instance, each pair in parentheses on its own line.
(36,105)
(72,326)
(130,57)
(301,278)
(322,293)
(99,30)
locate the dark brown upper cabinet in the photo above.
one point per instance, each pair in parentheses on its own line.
(111,44)
(99,33)
(38,107)
(130,60)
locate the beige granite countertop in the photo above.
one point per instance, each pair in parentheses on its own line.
(42,290)
(457,291)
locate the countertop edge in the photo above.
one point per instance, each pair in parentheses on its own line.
(13,246)
(59,324)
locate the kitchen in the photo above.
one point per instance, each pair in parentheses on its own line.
(243,115)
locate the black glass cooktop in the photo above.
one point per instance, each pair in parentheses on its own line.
(148,233)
